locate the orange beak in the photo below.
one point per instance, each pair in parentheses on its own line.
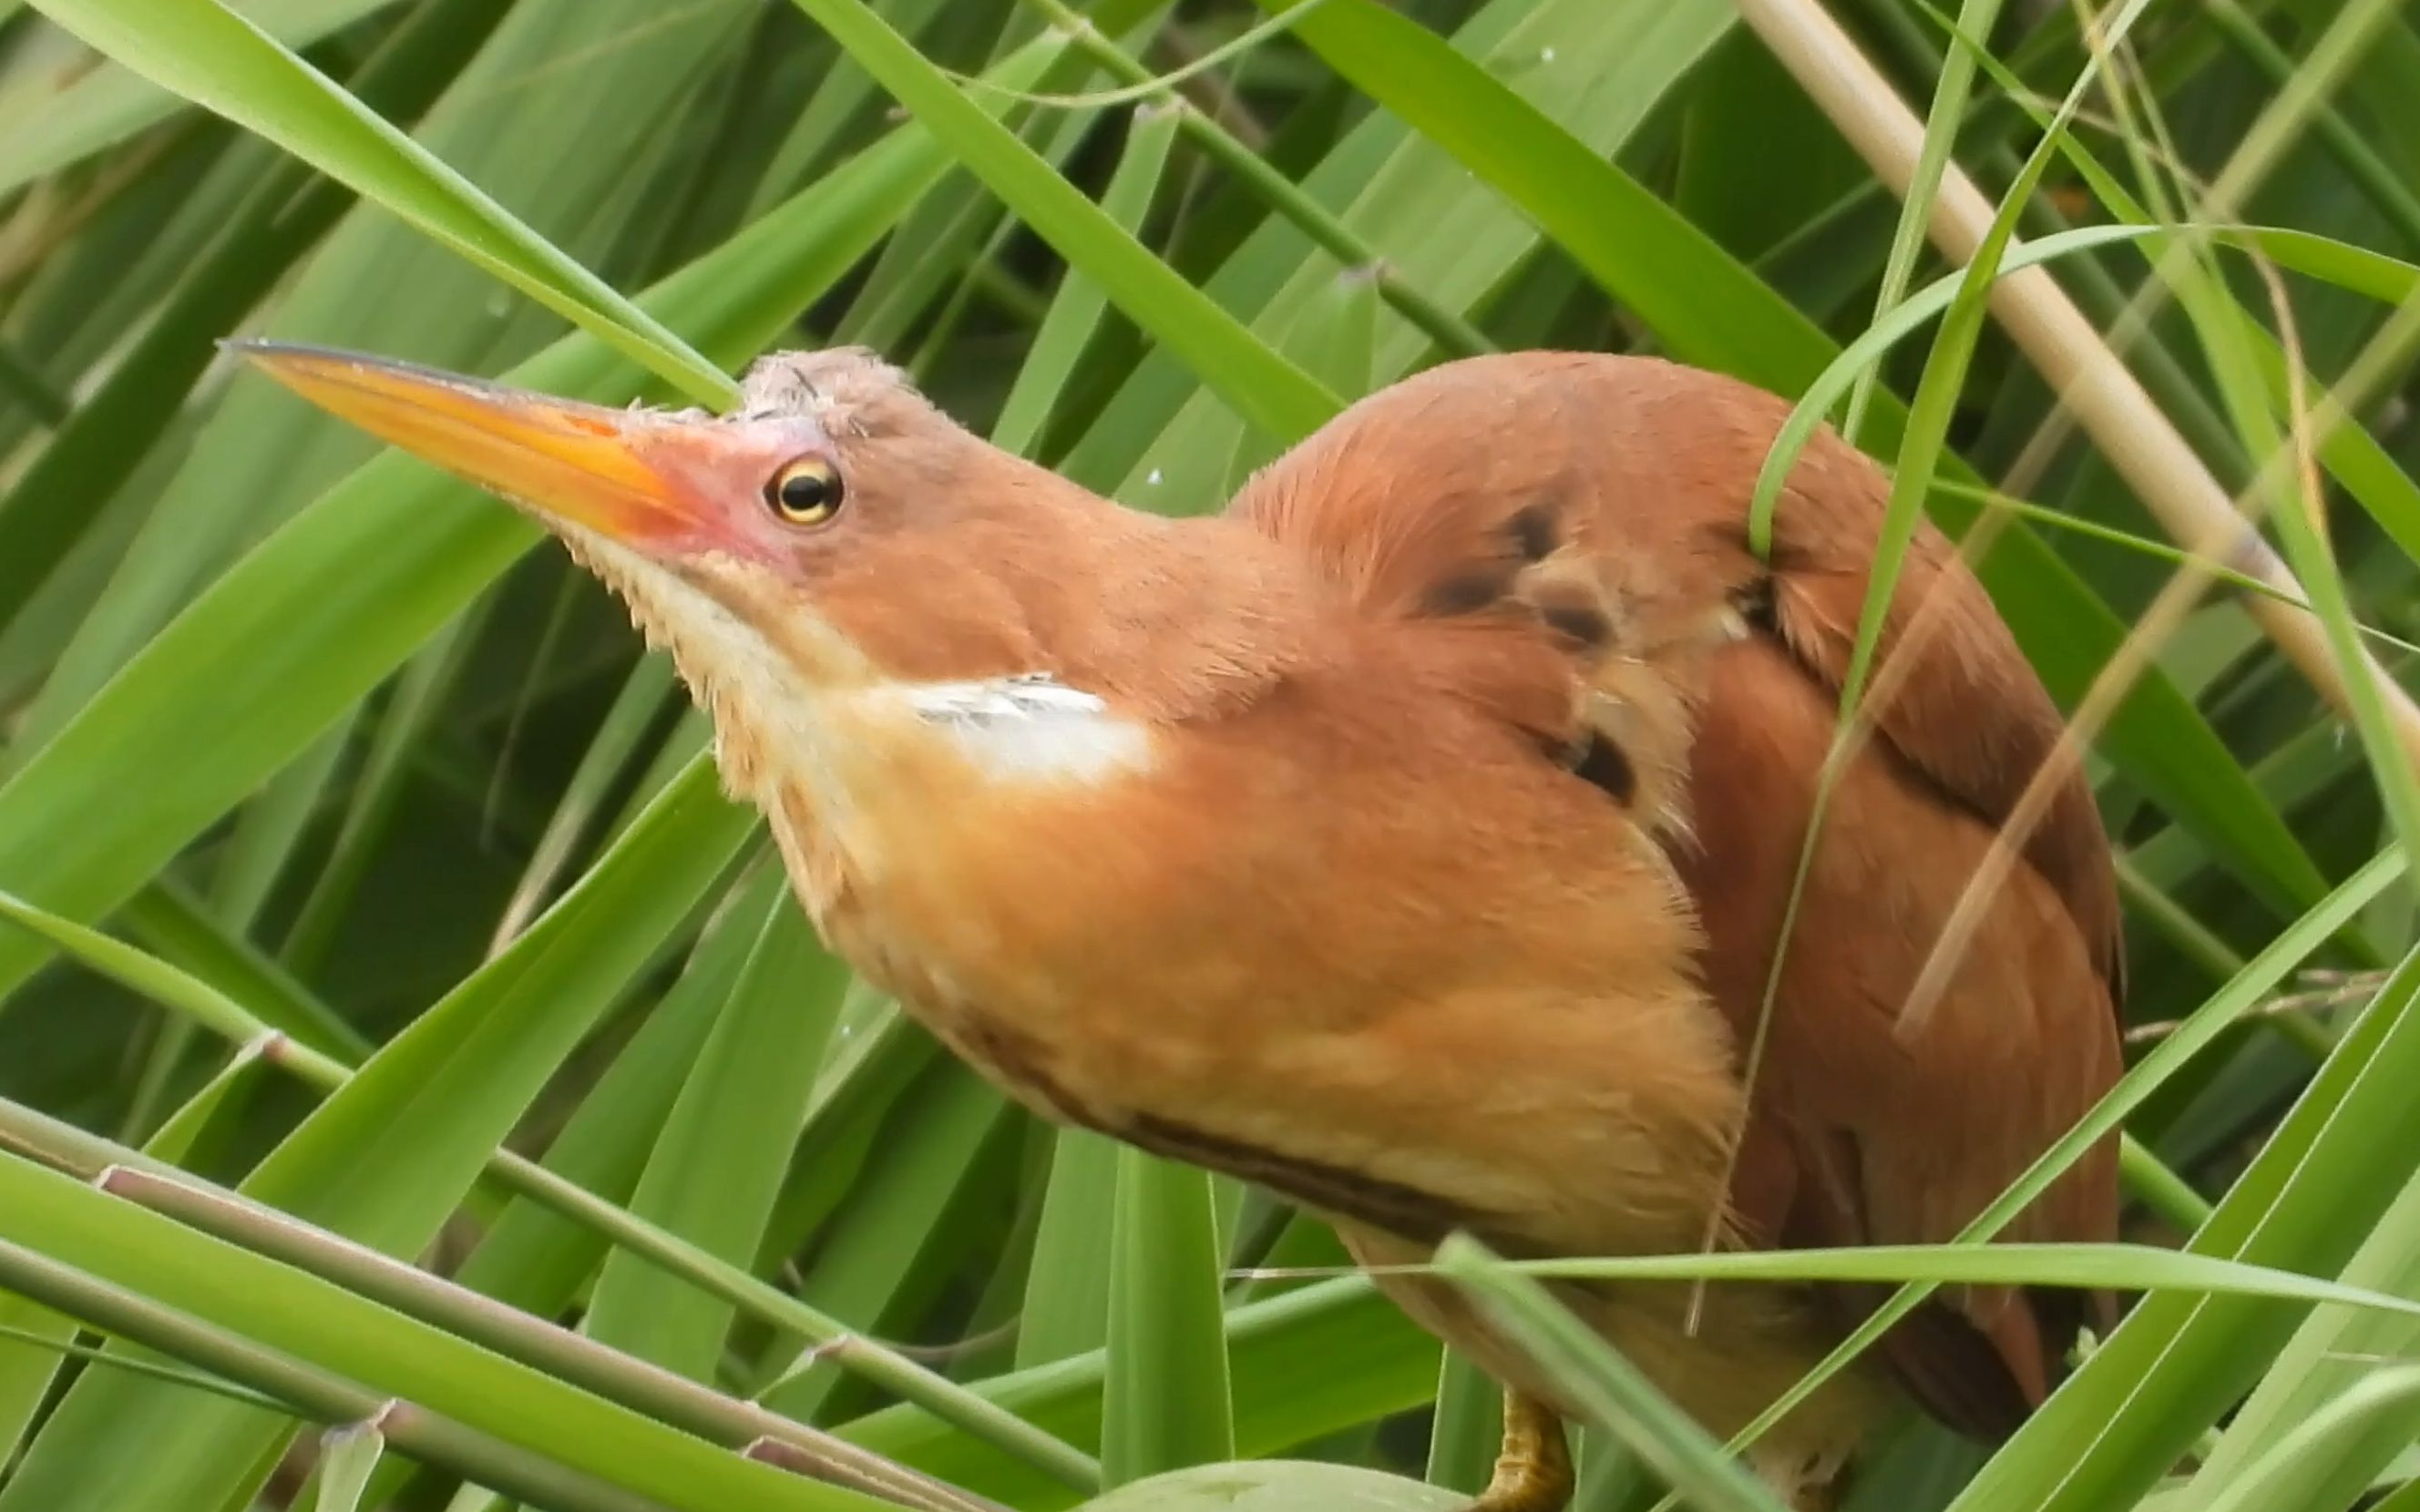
(563,460)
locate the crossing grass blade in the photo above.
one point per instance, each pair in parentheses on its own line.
(2332,1356)
(182,780)
(1706,308)
(718,1162)
(212,56)
(387,1157)
(347,1457)
(1079,304)
(323,1325)
(285,658)
(34,1348)
(1262,386)
(1608,1390)
(1166,1401)
(47,130)
(2315,1188)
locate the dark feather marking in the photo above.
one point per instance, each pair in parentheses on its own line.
(1604,763)
(1401,1209)
(1942,1358)
(1755,604)
(1938,1353)
(1465,593)
(1533,532)
(1583,623)
(1016,1061)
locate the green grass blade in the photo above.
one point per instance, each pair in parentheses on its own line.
(878,1264)
(1606,1388)
(2331,1355)
(1626,239)
(2115,1267)
(1067,1290)
(649,689)
(1370,1360)
(1166,1402)
(2331,1458)
(43,132)
(171,925)
(322,1325)
(285,657)
(1275,1485)
(1705,308)
(1263,387)
(1468,1429)
(347,1457)
(1335,337)
(387,1157)
(1079,304)
(30,1354)
(136,970)
(1163,443)
(212,56)
(405,722)
(2318,1186)
(718,1163)
(1940,122)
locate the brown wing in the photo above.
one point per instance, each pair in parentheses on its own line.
(1578,524)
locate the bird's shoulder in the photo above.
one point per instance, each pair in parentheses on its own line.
(1575,529)
(1568,531)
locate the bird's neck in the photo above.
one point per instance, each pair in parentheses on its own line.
(1176,619)
(1124,629)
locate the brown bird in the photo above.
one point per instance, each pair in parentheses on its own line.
(1412,838)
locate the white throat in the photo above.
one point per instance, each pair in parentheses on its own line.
(1027,728)
(1032,728)
(859,755)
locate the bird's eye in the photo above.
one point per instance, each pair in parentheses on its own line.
(805,492)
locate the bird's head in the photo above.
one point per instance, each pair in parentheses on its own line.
(833,557)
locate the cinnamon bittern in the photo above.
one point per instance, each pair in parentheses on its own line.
(1413,837)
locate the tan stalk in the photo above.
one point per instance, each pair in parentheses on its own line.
(2139,441)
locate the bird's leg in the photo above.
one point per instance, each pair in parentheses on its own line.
(1533,1474)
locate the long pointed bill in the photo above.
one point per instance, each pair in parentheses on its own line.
(580,463)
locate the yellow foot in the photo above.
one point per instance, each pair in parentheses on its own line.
(1534,1472)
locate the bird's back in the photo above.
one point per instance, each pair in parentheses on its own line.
(1571,530)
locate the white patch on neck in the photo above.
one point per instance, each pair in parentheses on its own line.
(766,722)
(1033,727)
(770,725)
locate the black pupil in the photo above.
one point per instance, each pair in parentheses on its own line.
(805,493)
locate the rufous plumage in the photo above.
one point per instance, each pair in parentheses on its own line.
(1413,837)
